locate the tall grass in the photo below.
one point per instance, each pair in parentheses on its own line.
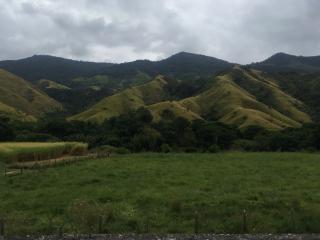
(29,151)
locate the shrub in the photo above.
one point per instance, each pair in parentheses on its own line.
(245,145)
(165,148)
(111,149)
(123,150)
(214,148)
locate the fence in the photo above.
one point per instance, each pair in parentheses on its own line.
(96,225)
(18,168)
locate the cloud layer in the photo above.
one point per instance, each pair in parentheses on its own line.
(123,30)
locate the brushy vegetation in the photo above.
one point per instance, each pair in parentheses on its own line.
(160,193)
(27,151)
(138,132)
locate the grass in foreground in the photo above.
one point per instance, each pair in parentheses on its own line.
(160,193)
(31,151)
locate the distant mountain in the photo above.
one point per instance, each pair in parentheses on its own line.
(22,101)
(56,69)
(180,64)
(282,62)
(280,92)
(67,80)
(64,70)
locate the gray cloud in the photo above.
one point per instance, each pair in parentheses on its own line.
(123,30)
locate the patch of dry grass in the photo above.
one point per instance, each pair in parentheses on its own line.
(31,151)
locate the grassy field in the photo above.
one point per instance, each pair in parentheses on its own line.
(161,193)
(26,151)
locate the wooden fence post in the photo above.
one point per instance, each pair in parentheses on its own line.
(244,221)
(2,228)
(100,224)
(196,222)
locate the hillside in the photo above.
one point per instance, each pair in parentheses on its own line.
(242,97)
(157,110)
(281,93)
(19,98)
(127,100)
(13,114)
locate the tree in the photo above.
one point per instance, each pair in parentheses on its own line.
(147,140)
(6,131)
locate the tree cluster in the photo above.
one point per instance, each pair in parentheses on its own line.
(137,132)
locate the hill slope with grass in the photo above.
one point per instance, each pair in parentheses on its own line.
(242,97)
(20,99)
(247,97)
(125,101)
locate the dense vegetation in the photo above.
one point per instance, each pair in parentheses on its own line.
(138,132)
(164,193)
(198,104)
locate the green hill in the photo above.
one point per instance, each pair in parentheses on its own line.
(20,99)
(14,114)
(240,96)
(175,107)
(247,97)
(127,100)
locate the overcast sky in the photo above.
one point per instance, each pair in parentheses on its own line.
(240,31)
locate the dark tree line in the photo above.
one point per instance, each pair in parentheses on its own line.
(136,131)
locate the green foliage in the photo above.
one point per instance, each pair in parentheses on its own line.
(214,148)
(245,145)
(165,148)
(6,130)
(111,149)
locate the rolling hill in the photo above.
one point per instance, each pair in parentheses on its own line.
(19,99)
(242,97)
(276,93)
(239,97)
(127,100)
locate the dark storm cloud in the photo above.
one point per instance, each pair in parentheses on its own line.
(123,30)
